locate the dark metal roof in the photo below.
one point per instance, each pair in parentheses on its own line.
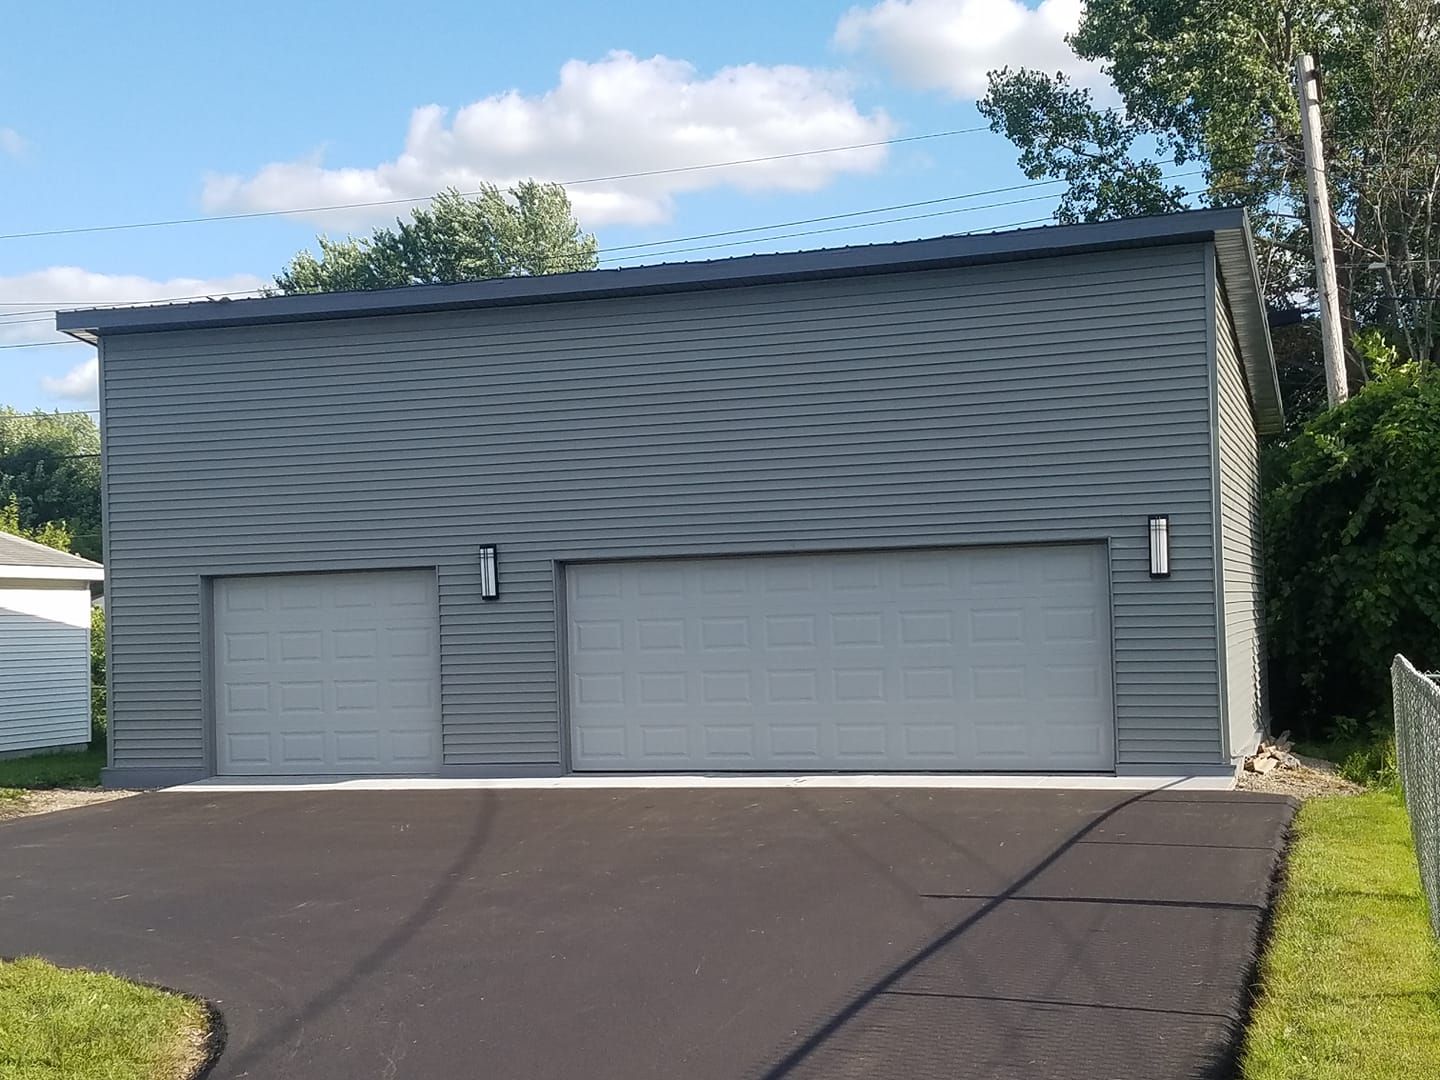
(1227,228)
(17,551)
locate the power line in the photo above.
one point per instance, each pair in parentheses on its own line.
(48,318)
(994,228)
(664,248)
(120,303)
(767,239)
(837,217)
(39,344)
(47,415)
(138,300)
(630,247)
(861,225)
(877,210)
(868,224)
(18,315)
(426,198)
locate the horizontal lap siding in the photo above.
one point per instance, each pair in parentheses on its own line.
(44,666)
(1240,558)
(1046,400)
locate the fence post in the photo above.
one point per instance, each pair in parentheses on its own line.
(1417,750)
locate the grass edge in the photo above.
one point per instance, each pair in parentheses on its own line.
(216,1033)
(1233,1063)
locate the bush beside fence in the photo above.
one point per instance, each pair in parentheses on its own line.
(1417,746)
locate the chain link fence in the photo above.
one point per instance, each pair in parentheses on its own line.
(1417,746)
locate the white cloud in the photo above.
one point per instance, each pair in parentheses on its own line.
(12,142)
(952,45)
(27,315)
(80,383)
(30,300)
(618,115)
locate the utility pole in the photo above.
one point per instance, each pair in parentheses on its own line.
(1318,201)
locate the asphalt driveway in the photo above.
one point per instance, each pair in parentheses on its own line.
(670,933)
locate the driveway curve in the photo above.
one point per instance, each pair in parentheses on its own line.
(712,933)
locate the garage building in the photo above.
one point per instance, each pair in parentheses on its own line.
(975,503)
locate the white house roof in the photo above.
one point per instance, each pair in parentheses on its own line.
(21,558)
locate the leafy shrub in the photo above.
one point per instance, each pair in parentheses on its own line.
(1352,551)
(97,676)
(1374,766)
(55,534)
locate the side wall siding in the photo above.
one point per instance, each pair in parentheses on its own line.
(44,665)
(1240,553)
(1048,400)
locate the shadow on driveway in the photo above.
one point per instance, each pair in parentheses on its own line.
(704,933)
(875,1034)
(372,963)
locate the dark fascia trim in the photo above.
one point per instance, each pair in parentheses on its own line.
(1194,226)
(1227,228)
(1240,274)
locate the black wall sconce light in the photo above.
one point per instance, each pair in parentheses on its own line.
(489,573)
(1160,545)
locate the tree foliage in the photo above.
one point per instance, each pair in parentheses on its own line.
(1208,85)
(528,230)
(98,713)
(50,479)
(53,534)
(1353,547)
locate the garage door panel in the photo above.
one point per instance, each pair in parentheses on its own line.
(981,659)
(327,673)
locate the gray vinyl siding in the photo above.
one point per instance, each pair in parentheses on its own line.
(1049,400)
(44,665)
(1239,535)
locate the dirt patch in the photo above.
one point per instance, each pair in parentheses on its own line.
(200,1046)
(45,802)
(1306,779)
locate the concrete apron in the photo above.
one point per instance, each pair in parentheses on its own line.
(681,781)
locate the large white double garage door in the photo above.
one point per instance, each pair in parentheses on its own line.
(984,659)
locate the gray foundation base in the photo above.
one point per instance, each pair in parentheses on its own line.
(498,772)
(1219,768)
(169,777)
(125,777)
(122,777)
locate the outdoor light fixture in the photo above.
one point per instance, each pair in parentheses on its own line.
(489,573)
(1160,545)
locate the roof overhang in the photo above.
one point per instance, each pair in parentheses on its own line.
(1227,229)
(10,572)
(1235,256)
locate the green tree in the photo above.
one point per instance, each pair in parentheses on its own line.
(1207,85)
(52,534)
(528,230)
(50,476)
(98,715)
(1352,547)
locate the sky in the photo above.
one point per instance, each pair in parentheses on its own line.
(182,111)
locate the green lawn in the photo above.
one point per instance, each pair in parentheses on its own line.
(1350,985)
(57,1024)
(80,769)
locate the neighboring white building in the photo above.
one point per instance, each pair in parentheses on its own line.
(44,647)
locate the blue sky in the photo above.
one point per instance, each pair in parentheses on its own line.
(194,110)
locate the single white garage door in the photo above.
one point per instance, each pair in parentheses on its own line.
(981,659)
(327,673)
